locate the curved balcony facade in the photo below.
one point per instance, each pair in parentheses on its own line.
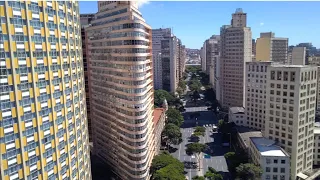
(121,89)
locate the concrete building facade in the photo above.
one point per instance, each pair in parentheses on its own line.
(271,48)
(157,36)
(290,112)
(121,88)
(159,117)
(43,120)
(255,93)
(236,50)
(169,63)
(85,20)
(238,116)
(298,56)
(316,150)
(273,160)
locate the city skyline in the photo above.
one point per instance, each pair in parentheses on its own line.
(281,19)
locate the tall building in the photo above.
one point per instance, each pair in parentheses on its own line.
(236,50)
(255,93)
(290,112)
(43,120)
(85,20)
(169,63)
(121,88)
(299,56)
(271,48)
(157,36)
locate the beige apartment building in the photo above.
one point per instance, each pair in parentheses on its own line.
(236,50)
(121,88)
(43,118)
(290,112)
(255,93)
(271,48)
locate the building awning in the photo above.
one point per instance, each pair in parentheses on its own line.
(302,176)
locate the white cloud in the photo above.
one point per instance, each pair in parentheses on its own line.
(142,2)
(261,24)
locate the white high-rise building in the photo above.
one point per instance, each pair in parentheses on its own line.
(290,112)
(236,50)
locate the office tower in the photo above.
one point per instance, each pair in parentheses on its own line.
(157,36)
(236,50)
(121,88)
(290,112)
(255,93)
(253,49)
(169,63)
(43,120)
(85,20)
(298,56)
(270,48)
(181,60)
(211,52)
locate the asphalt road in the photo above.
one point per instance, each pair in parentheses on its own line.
(213,157)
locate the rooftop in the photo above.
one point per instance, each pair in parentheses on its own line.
(291,66)
(246,133)
(157,115)
(235,110)
(268,147)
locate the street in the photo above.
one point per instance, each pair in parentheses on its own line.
(214,156)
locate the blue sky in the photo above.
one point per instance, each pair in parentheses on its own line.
(194,22)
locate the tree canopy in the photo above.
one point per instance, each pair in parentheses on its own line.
(182,85)
(193,69)
(198,178)
(212,174)
(196,148)
(234,160)
(160,95)
(165,166)
(172,134)
(199,131)
(174,116)
(195,85)
(248,171)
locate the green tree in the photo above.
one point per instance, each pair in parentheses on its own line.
(195,85)
(212,174)
(248,171)
(174,116)
(199,131)
(179,91)
(171,134)
(182,85)
(196,149)
(230,155)
(198,178)
(234,160)
(160,95)
(165,166)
